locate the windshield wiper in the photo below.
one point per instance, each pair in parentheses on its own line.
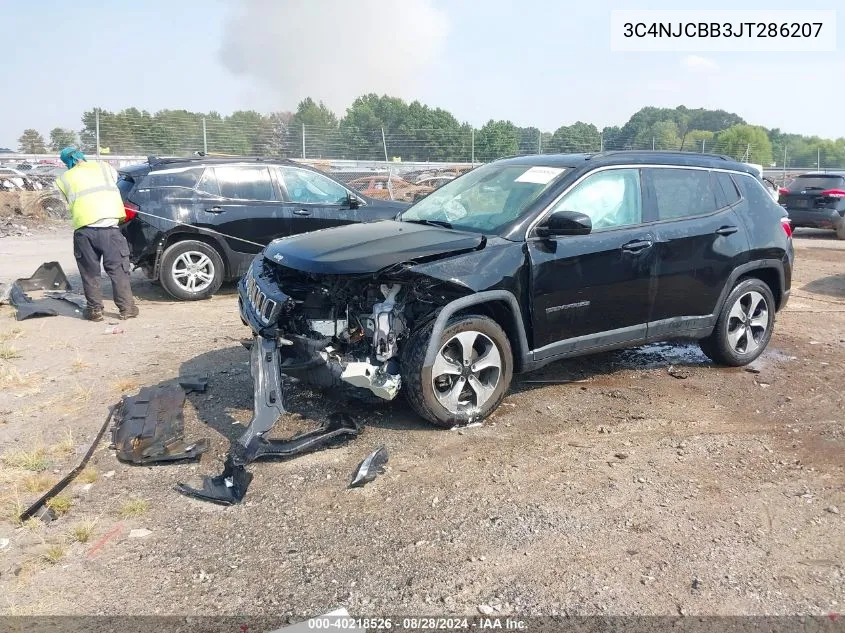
(441,223)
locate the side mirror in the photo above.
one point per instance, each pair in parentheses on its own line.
(566,223)
(354,201)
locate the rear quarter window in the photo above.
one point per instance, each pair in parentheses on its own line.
(728,187)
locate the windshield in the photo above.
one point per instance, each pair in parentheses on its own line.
(486,199)
(816,182)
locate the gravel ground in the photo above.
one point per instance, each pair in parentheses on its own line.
(651,483)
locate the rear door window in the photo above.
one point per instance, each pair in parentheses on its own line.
(682,193)
(245,183)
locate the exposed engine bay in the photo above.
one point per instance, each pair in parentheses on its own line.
(338,330)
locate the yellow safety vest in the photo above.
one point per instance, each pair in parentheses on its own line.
(91,192)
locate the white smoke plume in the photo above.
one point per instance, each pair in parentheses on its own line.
(333,50)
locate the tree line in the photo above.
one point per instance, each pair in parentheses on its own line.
(377,126)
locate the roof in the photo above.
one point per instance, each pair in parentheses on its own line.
(155,161)
(628,157)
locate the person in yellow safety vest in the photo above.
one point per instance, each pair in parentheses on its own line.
(96,210)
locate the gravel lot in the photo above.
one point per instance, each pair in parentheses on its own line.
(632,489)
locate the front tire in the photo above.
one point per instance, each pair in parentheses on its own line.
(191,270)
(744,327)
(470,376)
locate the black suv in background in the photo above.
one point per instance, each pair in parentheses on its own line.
(519,263)
(196,222)
(816,201)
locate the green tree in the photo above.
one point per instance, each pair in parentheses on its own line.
(320,127)
(578,137)
(31,142)
(699,140)
(496,139)
(61,138)
(748,142)
(664,135)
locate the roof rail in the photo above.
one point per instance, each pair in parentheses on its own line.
(200,156)
(671,152)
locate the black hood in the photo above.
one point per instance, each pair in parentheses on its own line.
(368,247)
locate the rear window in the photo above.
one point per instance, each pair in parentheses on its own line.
(820,183)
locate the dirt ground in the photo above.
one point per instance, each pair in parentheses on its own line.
(631,490)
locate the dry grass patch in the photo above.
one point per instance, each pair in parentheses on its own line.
(82,532)
(134,508)
(87,476)
(78,365)
(66,445)
(7,352)
(125,385)
(60,504)
(37,483)
(11,508)
(11,335)
(54,553)
(34,460)
(12,378)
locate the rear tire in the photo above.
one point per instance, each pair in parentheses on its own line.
(840,230)
(475,367)
(744,326)
(191,270)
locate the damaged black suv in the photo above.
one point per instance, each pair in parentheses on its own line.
(517,264)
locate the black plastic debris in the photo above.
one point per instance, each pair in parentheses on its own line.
(27,308)
(339,428)
(149,427)
(48,276)
(47,514)
(368,469)
(197,382)
(74,298)
(225,489)
(229,487)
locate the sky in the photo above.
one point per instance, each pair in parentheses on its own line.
(533,62)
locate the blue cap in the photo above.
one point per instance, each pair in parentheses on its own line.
(70,156)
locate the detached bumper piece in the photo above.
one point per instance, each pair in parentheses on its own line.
(48,277)
(229,487)
(149,427)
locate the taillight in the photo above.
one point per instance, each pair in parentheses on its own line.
(787,227)
(782,191)
(834,193)
(131,210)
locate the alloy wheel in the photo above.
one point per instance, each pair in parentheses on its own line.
(748,321)
(466,371)
(193,271)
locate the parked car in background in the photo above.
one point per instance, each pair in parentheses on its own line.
(520,263)
(11,178)
(816,200)
(47,170)
(377,187)
(435,181)
(193,223)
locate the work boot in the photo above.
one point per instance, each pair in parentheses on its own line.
(131,313)
(93,314)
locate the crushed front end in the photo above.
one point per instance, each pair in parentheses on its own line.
(332,331)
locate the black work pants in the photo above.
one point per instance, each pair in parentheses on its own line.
(90,245)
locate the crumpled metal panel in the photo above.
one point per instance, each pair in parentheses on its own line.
(150,427)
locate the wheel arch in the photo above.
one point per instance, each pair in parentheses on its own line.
(187,236)
(499,305)
(769,271)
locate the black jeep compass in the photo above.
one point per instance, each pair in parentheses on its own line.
(517,264)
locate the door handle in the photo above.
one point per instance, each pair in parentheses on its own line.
(726,230)
(302,212)
(636,246)
(214,209)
